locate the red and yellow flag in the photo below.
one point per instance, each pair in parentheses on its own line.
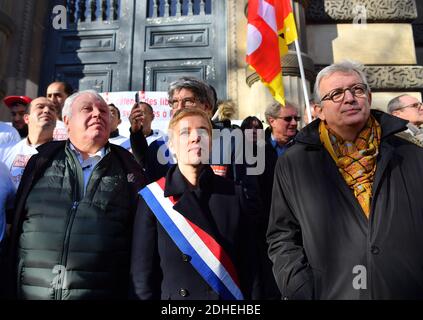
(271,27)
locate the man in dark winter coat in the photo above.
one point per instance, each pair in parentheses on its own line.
(283,121)
(71,235)
(346,218)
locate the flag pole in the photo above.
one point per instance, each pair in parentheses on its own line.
(303,81)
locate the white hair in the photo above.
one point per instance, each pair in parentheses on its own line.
(67,107)
(347,66)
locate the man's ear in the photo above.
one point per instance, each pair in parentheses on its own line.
(120,121)
(66,120)
(209,110)
(317,110)
(26,118)
(322,114)
(370,99)
(396,113)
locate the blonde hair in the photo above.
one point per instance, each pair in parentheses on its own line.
(226,110)
(189,112)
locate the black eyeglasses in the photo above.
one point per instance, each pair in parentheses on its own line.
(337,95)
(289,118)
(417,105)
(186,102)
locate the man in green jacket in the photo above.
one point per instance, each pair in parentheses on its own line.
(72,228)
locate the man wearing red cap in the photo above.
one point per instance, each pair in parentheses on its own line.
(18,106)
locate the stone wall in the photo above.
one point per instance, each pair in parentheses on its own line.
(380,34)
(21,39)
(390,44)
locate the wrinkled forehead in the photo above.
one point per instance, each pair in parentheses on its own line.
(407,100)
(287,111)
(183,92)
(41,101)
(340,79)
(89,99)
(56,88)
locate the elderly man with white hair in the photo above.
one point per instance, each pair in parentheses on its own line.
(71,234)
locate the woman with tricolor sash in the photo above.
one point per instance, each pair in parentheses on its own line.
(193,235)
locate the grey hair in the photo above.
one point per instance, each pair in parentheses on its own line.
(395,103)
(272,110)
(347,66)
(67,107)
(201,89)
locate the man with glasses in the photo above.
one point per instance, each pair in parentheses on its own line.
(408,108)
(185,92)
(347,210)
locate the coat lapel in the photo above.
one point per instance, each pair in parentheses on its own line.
(385,156)
(390,125)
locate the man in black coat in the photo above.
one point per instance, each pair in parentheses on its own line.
(346,218)
(283,121)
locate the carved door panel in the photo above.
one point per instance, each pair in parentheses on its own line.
(120,45)
(173,38)
(94,51)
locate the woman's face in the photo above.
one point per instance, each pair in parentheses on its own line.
(190,140)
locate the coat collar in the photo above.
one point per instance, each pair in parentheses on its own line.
(194,204)
(389,125)
(176,184)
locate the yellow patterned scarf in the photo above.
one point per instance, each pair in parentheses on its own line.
(356,161)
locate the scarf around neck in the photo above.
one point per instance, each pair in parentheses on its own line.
(356,161)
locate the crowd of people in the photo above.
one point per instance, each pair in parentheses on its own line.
(211,210)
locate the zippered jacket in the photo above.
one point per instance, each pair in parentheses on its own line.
(67,244)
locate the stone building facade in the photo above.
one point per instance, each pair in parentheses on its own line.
(385,35)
